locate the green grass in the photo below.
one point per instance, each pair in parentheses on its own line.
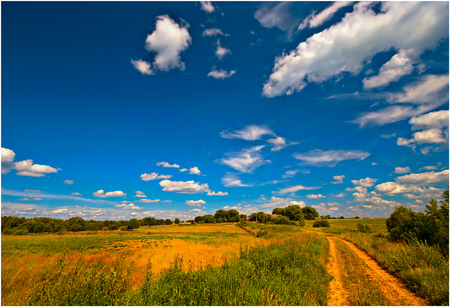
(421,267)
(288,273)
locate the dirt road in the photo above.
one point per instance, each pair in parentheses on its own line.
(376,279)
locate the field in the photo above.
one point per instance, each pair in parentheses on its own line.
(222,264)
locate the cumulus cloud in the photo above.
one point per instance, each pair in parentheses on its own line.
(194,171)
(315,196)
(339,179)
(279,143)
(402,170)
(184,187)
(153,176)
(165,164)
(401,64)
(102,194)
(290,173)
(129,207)
(366,182)
(211,193)
(168,40)
(425,179)
(232,180)
(195,203)
(221,74)
(143,66)
(248,133)
(139,194)
(221,51)
(25,167)
(315,20)
(347,45)
(331,157)
(149,201)
(207,6)
(429,88)
(246,160)
(436,120)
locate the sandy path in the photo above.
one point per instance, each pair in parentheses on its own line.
(337,295)
(392,287)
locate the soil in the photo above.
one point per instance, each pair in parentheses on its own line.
(392,287)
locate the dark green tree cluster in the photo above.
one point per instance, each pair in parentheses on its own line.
(293,213)
(431,227)
(221,216)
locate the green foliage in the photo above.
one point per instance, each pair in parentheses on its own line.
(198,219)
(310,213)
(233,216)
(177,221)
(168,222)
(363,228)
(221,216)
(282,274)
(208,219)
(279,211)
(321,223)
(133,224)
(281,220)
(261,233)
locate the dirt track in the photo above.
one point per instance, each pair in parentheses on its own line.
(392,288)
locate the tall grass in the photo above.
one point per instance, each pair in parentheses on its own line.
(288,273)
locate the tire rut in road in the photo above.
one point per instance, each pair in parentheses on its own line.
(337,295)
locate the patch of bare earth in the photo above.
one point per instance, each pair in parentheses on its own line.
(337,295)
(392,287)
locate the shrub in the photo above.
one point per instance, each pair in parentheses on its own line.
(293,223)
(261,233)
(124,228)
(321,223)
(281,220)
(21,232)
(363,228)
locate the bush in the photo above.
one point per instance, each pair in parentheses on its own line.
(293,223)
(261,233)
(363,228)
(321,223)
(21,232)
(124,228)
(281,220)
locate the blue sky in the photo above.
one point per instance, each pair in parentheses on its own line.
(114,110)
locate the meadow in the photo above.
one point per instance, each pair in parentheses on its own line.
(214,264)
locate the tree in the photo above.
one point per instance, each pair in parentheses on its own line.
(198,219)
(310,213)
(252,217)
(281,220)
(243,217)
(221,216)
(233,216)
(177,221)
(209,219)
(167,222)
(279,211)
(261,217)
(133,224)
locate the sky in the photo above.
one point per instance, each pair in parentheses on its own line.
(117,110)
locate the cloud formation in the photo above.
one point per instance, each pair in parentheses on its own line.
(246,160)
(232,180)
(221,74)
(102,194)
(319,157)
(184,187)
(165,164)
(25,167)
(153,176)
(347,45)
(315,20)
(248,133)
(195,203)
(207,6)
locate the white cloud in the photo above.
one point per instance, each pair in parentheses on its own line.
(331,157)
(232,180)
(248,133)
(168,40)
(140,194)
(221,74)
(213,32)
(315,196)
(401,64)
(142,66)
(294,189)
(147,201)
(315,20)
(7,160)
(221,51)
(429,136)
(207,6)
(429,92)
(402,170)
(300,203)
(430,168)
(165,164)
(279,143)
(184,187)
(347,45)
(425,179)
(183,170)
(129,207)
(340,195)
(246,160)
(290,173)
(339,179)
(68,181)
(211,193)
(195,203)
(102,194)
(75,194)
(197,211)
(194,171)
(366,182)
(153,176)
(25,167)
(437,120)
